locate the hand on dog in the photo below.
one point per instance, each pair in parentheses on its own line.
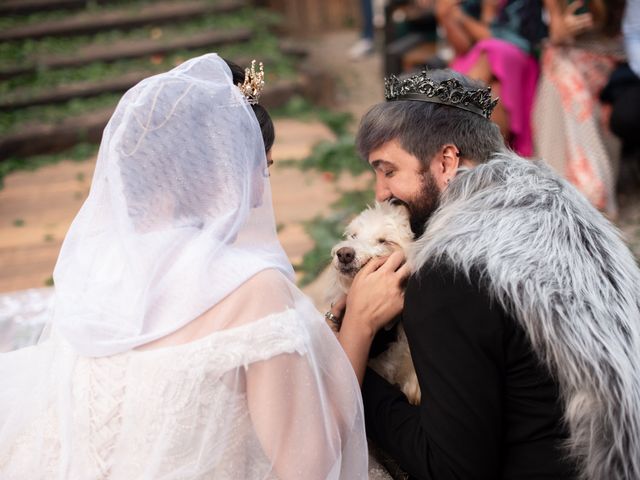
(375,297)
(377,293)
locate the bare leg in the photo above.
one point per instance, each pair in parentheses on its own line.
(481,70)
(500,116)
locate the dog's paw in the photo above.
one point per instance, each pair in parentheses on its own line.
(411,389)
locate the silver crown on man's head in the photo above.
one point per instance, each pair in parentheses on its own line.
(447,92)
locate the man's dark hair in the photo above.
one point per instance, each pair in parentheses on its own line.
(264,119)
(422,128)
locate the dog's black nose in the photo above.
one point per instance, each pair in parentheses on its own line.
(346,254)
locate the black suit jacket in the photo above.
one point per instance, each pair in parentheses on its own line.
(490,409)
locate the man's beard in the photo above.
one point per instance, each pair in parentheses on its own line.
(422,206)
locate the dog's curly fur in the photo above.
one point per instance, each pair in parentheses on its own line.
(562,271)
(377,232)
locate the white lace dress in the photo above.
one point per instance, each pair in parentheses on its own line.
(183,412)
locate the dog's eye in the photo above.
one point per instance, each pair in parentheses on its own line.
(353,236)
(382,240)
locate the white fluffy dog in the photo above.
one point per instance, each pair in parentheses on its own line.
(377,232)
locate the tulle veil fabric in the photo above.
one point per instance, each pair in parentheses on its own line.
(176,244)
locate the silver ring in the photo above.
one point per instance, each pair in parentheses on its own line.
(332,318)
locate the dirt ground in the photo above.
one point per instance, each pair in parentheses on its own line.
(36,208)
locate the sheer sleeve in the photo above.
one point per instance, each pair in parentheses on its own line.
(298,427)
(303,399)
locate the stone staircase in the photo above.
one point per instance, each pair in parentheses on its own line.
(65,63)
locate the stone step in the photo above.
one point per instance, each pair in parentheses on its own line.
(128,49)
(22,98)
(37,138)
(25,7)
(153,14)
(64,93)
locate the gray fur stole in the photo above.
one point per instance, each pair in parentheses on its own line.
(560,268)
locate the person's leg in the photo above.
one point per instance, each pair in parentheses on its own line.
(481,70)
(365,45)
(367,19)
(500,116)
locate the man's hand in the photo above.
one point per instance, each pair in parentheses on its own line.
(375,297)
(377,294)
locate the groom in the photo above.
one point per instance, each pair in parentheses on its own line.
(522,312)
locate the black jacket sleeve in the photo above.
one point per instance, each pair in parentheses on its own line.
(455,336)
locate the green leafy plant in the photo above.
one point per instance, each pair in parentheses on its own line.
(332,156)
(352,202)
(302,109)
(325,232)
(335,157)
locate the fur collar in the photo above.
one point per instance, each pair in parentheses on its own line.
(560,268)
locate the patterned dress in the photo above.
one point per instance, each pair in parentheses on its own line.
(571,131)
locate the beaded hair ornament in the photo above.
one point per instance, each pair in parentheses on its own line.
(253,83)
(447,92)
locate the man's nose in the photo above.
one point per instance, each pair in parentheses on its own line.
(382,192)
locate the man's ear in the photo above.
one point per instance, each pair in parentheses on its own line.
(447,163)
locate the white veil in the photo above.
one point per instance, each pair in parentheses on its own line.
(178,234)
(178,216)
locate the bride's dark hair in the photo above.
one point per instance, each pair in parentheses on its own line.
(264,119)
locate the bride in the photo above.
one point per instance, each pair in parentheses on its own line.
(179,346)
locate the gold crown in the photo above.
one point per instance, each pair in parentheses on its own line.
(253,83)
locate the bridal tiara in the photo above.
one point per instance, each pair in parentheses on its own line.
(253,83)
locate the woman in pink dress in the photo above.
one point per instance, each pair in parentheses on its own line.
(496,41)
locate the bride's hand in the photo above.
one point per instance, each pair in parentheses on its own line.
(377,293)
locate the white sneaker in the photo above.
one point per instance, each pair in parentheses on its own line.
(361,48)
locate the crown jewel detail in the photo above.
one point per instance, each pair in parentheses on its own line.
(447,92)
(253,83)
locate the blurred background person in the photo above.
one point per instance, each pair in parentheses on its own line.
(622,92)
(569,122)
(495,41)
